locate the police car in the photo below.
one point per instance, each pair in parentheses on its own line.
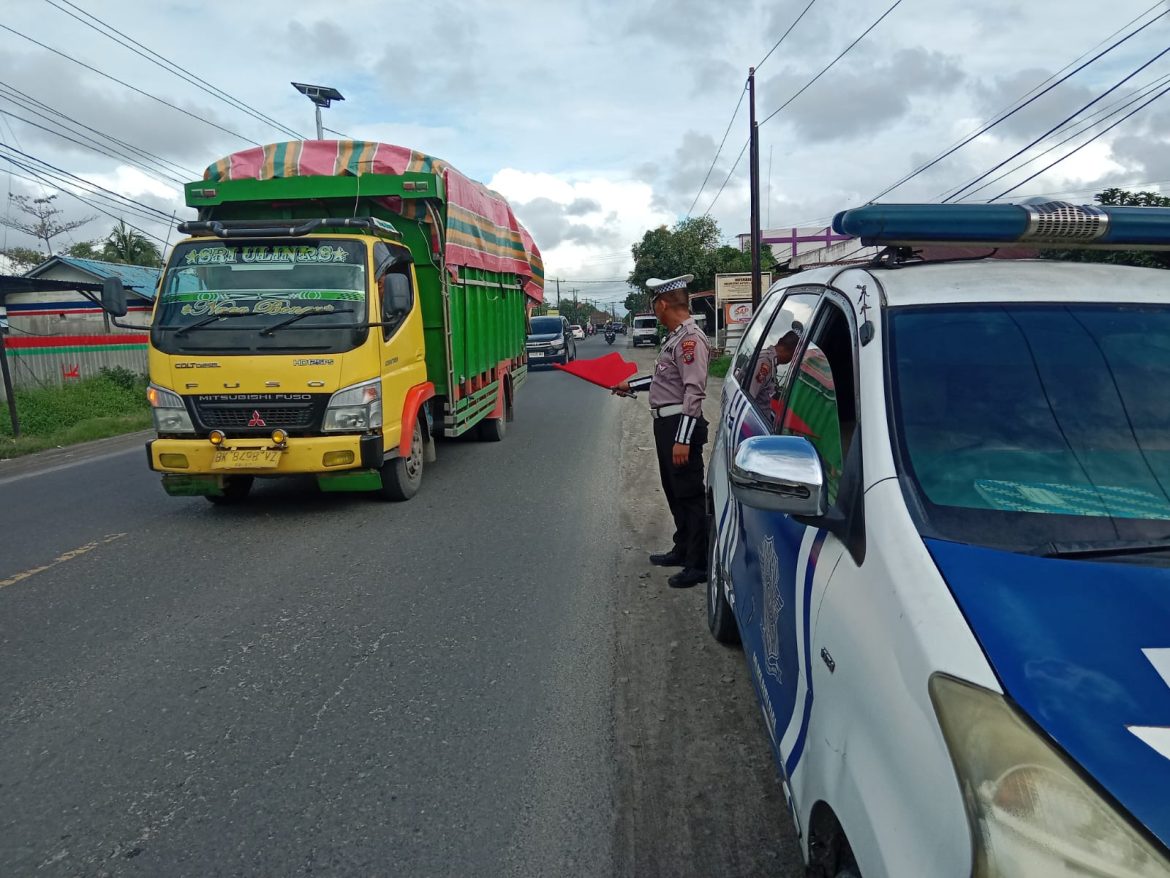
(940,497)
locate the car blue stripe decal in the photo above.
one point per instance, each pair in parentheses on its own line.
(798,748)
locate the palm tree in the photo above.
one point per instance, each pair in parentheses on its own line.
(126,245)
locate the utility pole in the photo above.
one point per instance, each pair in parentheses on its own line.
(576,307)
(558,295)
(9,394)
(754,161)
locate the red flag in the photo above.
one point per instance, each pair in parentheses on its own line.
(607,371)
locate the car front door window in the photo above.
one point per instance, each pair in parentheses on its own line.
(821,402)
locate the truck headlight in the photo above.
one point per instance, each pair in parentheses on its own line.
(170,413)
(1031,813)
(355,409)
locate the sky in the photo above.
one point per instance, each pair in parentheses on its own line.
(598,120)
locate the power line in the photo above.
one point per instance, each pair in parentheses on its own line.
(1067,120)
(784,35)
(86,182)
(829,66)
(30,103)
(983,129)
(90,145)
(90,204)
(62,186)
(1083,126)
(738,158)
(1081,146)
(735,113)
(112,33)
(147,94)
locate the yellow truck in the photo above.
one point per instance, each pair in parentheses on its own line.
(335,307)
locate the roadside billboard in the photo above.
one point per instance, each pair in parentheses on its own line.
(733,304)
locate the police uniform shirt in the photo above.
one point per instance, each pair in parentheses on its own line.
(680,377)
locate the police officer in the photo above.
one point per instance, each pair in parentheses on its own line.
(677,388)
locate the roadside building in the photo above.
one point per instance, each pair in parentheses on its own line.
(57,333)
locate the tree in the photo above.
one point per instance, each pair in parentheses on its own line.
(43,225)
(85,250)
(691,247)
(23,258)
(128,246)
(1140,258)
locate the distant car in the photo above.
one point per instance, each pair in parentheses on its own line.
(578,331)
(550,340)
(646,330)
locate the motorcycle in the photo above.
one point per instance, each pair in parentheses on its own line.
(609,336)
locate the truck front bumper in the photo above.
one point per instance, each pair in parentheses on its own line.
(304,455)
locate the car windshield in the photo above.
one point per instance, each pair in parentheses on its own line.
(645,322)
(227,297)
(1025,425)
(545,325)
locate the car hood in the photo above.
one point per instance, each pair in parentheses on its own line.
(1083,647)
(544,336)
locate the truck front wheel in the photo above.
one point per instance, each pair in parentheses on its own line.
(402,476)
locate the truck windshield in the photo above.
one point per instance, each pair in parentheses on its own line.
(262,296)
(1033,426)
(645,322)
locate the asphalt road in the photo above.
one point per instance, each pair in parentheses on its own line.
(317,683)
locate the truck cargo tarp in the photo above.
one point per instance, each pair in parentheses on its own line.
(482,231)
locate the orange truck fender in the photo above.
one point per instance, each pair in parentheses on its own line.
(415,397)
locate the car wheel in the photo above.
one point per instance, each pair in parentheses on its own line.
(402,476)
(720,618)
(235,490)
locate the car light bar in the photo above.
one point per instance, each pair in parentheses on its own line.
(1032,224)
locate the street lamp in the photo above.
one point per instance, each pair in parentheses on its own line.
(321,96)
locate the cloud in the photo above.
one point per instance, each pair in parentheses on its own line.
(853,102)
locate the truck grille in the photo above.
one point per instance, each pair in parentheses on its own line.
(244,413)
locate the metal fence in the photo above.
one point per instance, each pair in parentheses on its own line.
(58,360)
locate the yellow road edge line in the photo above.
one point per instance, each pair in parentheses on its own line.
(60,559)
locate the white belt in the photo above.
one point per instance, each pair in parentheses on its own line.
(665,411)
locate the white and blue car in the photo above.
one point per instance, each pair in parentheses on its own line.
(940,497)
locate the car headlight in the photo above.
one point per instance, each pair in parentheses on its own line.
(170,413)
(556,343)
(1031,812)
(355,409)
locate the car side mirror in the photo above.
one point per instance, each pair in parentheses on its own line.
(396,298)
(780,474)
(114,297)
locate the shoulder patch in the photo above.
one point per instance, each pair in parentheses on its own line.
(688,350)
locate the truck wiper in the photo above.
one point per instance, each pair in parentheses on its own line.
(323,310)
(1102,548)
(211,318)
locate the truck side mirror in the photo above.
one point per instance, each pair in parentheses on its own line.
(396,298)
(114,297)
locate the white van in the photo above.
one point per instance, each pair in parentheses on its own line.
(646,330)
(940,527)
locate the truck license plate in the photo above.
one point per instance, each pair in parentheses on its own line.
(245,458)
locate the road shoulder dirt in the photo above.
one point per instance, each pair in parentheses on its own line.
(697,791)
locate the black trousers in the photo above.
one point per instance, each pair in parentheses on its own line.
(684,489)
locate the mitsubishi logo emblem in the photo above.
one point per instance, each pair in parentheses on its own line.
(256,421)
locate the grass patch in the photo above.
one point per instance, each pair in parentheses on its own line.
(719,366)
(109,404)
